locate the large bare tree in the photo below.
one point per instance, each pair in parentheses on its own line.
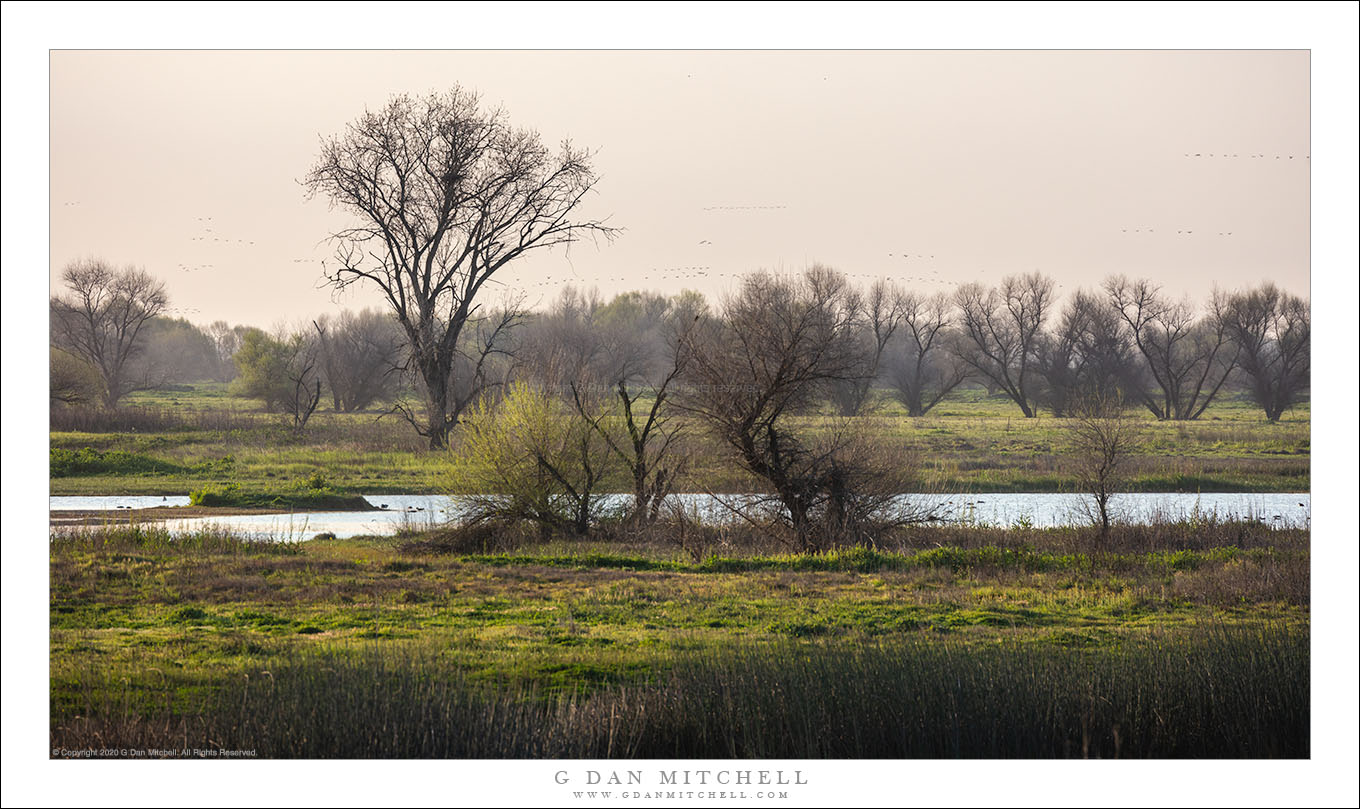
(102,319)
(1001,329)
(445,194)
(1272,331)
(1187,357)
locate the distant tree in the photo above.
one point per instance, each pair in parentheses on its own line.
(880,315)
(71,380)
(445,195)
(1000,332)
(920,369)
(101,319)
(282,372)
(360,355)
(1087,353)
(1185,359)
(566,346)
(177,351)
(779,344)
(226,341)
(1271,330)
(1102,439)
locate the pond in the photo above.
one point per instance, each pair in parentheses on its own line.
(1290,510)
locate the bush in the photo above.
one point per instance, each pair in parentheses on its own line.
(531,458)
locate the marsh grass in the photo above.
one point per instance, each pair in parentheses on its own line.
(1214,693)
(156,539)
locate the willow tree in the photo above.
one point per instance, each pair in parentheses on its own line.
(445,194)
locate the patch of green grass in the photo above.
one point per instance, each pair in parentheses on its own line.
(970,442)
(313,492)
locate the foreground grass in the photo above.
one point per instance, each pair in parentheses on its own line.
(1212,693)
(998,644)
(968,443)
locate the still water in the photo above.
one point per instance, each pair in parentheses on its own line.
(1003,510)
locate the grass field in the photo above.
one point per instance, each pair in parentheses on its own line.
(1186,639)
(186,440)
(1169,641)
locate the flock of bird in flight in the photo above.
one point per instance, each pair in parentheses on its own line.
(210,235)
(1231,156)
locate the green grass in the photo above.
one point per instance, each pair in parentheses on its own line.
(1214,692)
(149,631)
(968,443)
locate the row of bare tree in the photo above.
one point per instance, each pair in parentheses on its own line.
(620,384)
(109,338)
(1016,338)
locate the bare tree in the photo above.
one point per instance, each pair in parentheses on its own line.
(1087,353)
(1102,440)
(1272,331)
(1188,358)
(226,341)
(360,355)
(921,371)
(302,391)
(446,194)
(643,437)
(779,344)
(881,311)
(1000,332)
(101,320)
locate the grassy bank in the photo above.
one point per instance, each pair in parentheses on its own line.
(172,444)
(1166,642)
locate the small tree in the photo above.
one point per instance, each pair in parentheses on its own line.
(530,458)
(282,372)
(1102,440)
(101,320)
(642,438)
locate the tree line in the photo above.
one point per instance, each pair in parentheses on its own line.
(1017,339)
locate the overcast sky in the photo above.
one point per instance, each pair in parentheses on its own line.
(930,167)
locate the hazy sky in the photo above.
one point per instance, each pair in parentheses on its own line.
(975,164)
